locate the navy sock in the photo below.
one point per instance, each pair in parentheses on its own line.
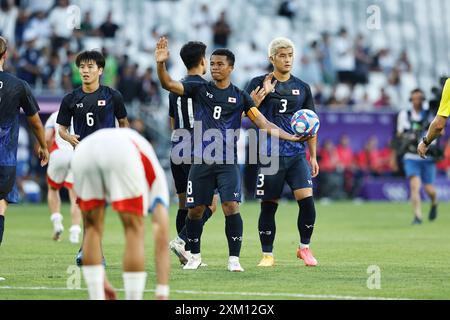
(266,225)
(183,235)
(2,227)
(181,219)
(233,230)
(194,229)
(306,219)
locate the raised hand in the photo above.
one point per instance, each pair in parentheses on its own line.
(268,85)
(162,50)
(258,95)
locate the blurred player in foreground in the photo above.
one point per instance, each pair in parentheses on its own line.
(14,95)
(120,167)
(59,175)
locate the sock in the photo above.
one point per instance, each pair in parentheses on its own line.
(181,219)
(266,225)
(194,229)
(306,219)
(234,230)
(2,227)
(75,228)
(183,235)
(134,285)
(95,277)
(57,218)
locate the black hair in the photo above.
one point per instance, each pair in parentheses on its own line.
(225,52)
(192,53)
(90,55)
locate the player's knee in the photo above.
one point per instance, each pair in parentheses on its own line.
(229,208)
(196,213)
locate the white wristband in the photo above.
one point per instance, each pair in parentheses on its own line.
(162,290)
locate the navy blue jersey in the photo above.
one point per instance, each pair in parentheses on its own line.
(91,111)
(279,107)
(182,110)
(14,94)
(219,109)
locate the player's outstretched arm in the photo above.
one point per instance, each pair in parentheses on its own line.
(262,123)
(36,126)
(162,258)
(64,133)
(161,56)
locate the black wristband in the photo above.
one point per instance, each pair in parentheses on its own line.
(425,141)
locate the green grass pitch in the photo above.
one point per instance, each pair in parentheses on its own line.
(348,239)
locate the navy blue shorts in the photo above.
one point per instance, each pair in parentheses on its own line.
(204,179)
(8,189)
(180,173)
(294,170)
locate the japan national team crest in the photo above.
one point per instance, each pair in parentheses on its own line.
(231,100)
(101,103)
(295,92)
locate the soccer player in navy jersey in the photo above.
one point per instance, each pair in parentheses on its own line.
(15,94)
(220,107)
(181,112)
(289,95)
(92,106)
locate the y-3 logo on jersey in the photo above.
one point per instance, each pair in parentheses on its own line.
(209,95)
(79,105)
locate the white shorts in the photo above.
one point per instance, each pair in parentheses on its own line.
(112,169)
(58,171)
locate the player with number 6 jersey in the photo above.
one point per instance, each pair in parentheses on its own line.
(91,106)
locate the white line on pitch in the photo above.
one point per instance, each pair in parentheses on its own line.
(257,294)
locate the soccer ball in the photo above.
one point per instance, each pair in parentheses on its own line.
(305,122)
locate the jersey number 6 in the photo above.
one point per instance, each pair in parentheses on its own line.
(90,119)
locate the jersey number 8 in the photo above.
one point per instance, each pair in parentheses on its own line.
(217,112)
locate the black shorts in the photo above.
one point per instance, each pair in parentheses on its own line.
(8,190)
(204,179)
(294,170)
(180,173)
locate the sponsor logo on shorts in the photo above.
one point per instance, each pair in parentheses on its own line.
(236,194)
(310,182)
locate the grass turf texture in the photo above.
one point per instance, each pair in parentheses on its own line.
(347,240)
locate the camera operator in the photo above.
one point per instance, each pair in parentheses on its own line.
(411,126)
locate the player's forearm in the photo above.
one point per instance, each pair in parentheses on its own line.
(436,128)
(275,131)
(64,133)
(123,123)
(38,129)
(312,147)
(166,81)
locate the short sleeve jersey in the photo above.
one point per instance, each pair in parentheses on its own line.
(444,108)
(14,95)
(220,112)
(91,111)
(280,105)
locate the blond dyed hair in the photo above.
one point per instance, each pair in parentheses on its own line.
(280,43)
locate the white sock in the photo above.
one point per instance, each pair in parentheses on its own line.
(268,254)
(134,283)
(95,277)
(179,240)
(75,228)
(233,259)
(303,246)
(57,219)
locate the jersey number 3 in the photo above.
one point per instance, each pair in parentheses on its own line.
(284,103)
